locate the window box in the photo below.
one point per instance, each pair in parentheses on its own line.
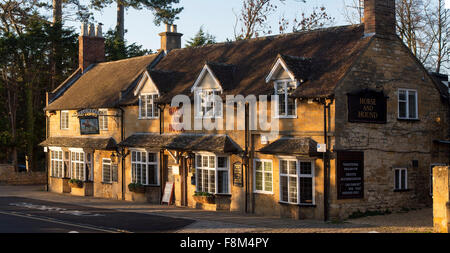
(75,183)
(204,198)
(136,188)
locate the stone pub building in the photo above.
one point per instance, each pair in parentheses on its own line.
(360,123)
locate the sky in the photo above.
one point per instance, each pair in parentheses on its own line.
(216,16)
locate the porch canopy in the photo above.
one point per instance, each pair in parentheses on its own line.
(291,146)
(216,143)
(79,142)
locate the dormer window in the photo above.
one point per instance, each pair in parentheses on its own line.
(147,106)
(207,106)
(287,105)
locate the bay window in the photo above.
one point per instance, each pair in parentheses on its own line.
(287,105)
(212,174)
(144,167)
(296,181)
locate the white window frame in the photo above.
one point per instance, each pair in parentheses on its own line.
(407,102)
(298,177)
(155,110)
(64,126)
(285,83)
(216,170)
(401,187)
(75,174)
(263,176)
(201,107)
(107,161)
(103,119)
(59,161)
(146,164)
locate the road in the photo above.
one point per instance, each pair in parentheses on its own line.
(26,215)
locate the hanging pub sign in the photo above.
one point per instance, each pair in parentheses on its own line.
(350,175)
(237,174)
(88,121)
(367,106)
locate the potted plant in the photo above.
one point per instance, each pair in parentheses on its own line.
(75,183)
(136,187)
(204,197)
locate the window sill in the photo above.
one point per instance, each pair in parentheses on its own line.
(223,194)
(410,120)
(109,183)
(285,117)
(402,190)
(262,192)
(154,118)
(300,205)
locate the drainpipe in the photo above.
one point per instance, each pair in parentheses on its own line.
(122,135)
(161,152)
(47,156)
(326,176)
(246,156)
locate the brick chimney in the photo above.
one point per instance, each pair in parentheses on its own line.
(379,17)
(91,45)
(170,39)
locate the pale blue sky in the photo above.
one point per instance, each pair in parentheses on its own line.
(216,16)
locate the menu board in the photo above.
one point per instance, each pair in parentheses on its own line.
(168,192)
(237,174)
(350,176)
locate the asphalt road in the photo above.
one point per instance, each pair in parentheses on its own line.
(25,215)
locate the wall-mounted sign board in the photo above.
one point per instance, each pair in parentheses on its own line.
(89,125)
(350,175)
(168,193)
(237,174)
(367,106)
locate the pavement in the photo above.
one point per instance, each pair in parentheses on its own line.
(36,209)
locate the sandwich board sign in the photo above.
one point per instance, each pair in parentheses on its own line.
(168,193)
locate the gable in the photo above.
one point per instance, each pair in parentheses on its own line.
(280,71)
(206,80)
(146,85)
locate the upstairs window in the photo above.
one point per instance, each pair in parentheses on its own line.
(103,119)
(64,120)
(207,106)
(401,179)
(407,104)
(287,106)
(147,106)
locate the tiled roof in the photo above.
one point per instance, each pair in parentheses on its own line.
(80,142)
(291,145)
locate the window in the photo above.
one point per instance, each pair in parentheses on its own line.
(103,119)
(64,120)
(296,181)
(287,106)
(56,163)
(212,174)
(401,179)
(107,172)
(407,104)
(207,106)
(78,165)
(144,168)
(147,107)
(263,176)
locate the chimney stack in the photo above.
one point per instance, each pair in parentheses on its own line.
(170,39)
(379,18)
(91,45)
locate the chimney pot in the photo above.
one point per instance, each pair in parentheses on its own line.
(84,29)
(91,30)
(98,31)
(91,46)
(174,28)
(167,28)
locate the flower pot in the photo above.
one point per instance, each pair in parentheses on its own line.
(205,199)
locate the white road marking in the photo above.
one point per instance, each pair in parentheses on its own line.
(63,222)
(56,209)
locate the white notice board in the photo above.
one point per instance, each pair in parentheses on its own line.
(167,194)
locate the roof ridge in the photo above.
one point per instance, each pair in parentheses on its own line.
(128,59)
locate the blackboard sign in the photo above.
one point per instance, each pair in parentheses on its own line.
(367,106)
(237,174)
(350,176)
(168,192)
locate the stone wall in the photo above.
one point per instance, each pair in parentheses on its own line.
(441,201)
(9,176)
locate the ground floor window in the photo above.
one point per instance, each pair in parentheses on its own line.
(56,163)
(296,181)
(401,179)
(263,171)
(109,171)
(144,167)
(212,174)
(77,162)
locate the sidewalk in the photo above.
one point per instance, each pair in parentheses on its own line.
(231,222)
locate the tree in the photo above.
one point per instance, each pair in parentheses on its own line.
(163,10)
(317,19)
(354,11)
(116,49)
(200,39)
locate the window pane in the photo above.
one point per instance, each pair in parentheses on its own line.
(402,95)
(268,167)
(149,106)
(138,173)
(397,179)
(198,161)
(305,168)
(212,161)
(402,109)
(306,190)
(205,162)
(142,106)
(284,188)
(222,162)
(151,157)
(293,189)
(292,167)
(212,181)
(222,182)
(258,166)
(281,105)
(283,167)
(403,179)
(152,174)
(144,174)
(268,182)
(199,180)
(291,106)
(412,104)
(106,172)
(205,180)
(258,181)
